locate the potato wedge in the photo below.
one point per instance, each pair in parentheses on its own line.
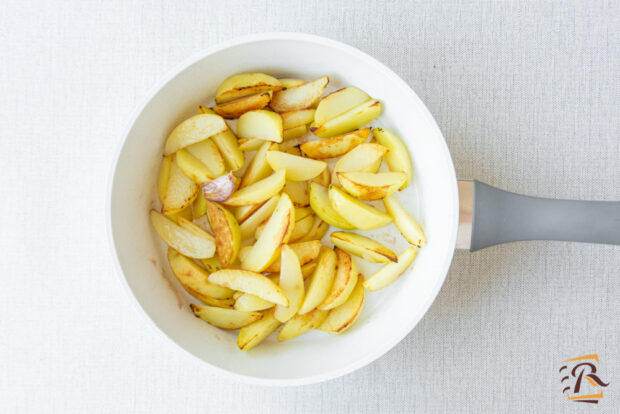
(226,142)
(370,250)
(250,144)
(193,277)
(321,205)
(244,84)
(259,191)
(249,282)
(291,283)
(321,281)
(186,213)
(398,158)
(302,212)
(254,333)
(301,324)
(193,130)
(218,303)
(365,157)
(192,242)
(344,281)
(193,169)
(249,226)
(344,316)
(371,186)
(408,227)
(290,82)
(164,176)
(295,132)
(264,251)
(299,97)
(212,264)
(199,208)
(335,146)
(260,124)
(208,153)
(180,190)
(227,233)
(391,271)
(339,102)
(318,230)
(324,178)
(247,302)
(259,168)
(243,212)
(306,252)
(307,270)
(297,168)
(297,118)
(225,318)
(302,227)
(236,108)
(358,213)
(204,110)
(354,118)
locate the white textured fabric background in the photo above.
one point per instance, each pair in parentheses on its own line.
(527,95)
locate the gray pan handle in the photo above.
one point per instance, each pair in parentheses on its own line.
(500,217)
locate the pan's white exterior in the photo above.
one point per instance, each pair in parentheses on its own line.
(140,255)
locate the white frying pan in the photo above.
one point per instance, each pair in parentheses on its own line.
(489,216)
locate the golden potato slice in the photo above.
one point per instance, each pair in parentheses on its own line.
(299,97)
(365,157)
(265,249)
(193,130)
(344,281)
(236,108)
(254,333)
(305,251)
(321,281)
(212,264)
(207,153)
(258,192)
(294,119)
(226,142)
(164,176)
(298,192)
(199,207)
(292,284)
(243,212)
(302,212)
(260,124)
(295,132)
(339,102)
(259,168)
(249,282)
(318,230)
(225,318)
(398,158)
(218,303)
(391,271)
(244,84)
(290,82)
(301,324)
(358,213)
(297,168)
(227,232)
(250,144)
(302,227)
(354,118)
(193,168)
(344,316)
(371,186)
(249,226)
(192,242)
(186,213)
(193,277)
(335,146)
(408,227)
(180,190)
(247,302)
(324,178)
(370,250)
(322,207)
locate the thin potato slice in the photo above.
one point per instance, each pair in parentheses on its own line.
(264,251)
(324,178)
(321,205)
(358,213)
(254,333)
(301,324)
(244,84)
(218,303)
(319,228)
(391,271)
(408,227)
(371,186)
(302,227)
(306,252)
(298,192)
(294,119)
(365,157)
(338,102)
(354,118)
(344,316)
(398,158)
(180,190)
(225,318)
(344,281)
(243,212)
(335,146)
(190,242)
(226,142)
(208,153)
(193,277)
(250,144)
(258,192)
(249,226)
(321,281)
(186,213)
(370,250)
(297,168)
(193,130)
(249,282)
(193,169)
(290,82)
(212,264)
(295,132)
(299,97)
(227,233)
(302,212)
(291,283)
(199,208)
(164,176)
(259,167)
(236,108)
(247,302)
(260,124)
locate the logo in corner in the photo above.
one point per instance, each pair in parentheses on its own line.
(580,380)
